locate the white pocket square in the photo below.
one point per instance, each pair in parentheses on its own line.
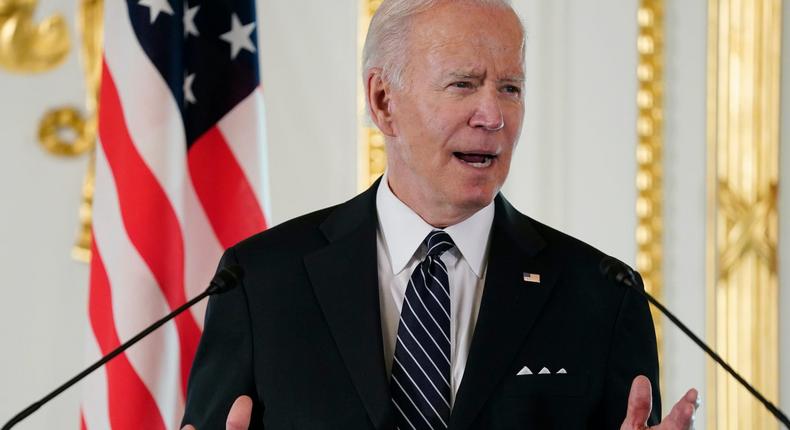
(524,371)
(544,371)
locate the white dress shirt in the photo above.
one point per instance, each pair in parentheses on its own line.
(399,245)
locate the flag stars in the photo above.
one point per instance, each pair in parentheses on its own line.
(155,7)
(189,20)
(239,37)
(189,96)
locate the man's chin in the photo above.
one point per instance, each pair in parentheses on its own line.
(476,199)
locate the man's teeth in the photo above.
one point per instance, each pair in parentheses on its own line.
(483,164)
(476,160)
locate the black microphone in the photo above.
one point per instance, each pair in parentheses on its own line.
(225,280)
(619,272)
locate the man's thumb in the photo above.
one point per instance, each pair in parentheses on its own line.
(239,415)
(640,402)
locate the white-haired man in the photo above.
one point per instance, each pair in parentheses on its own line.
(428,302)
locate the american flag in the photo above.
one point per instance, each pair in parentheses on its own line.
(180,176)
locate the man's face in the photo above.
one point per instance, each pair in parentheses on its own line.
(456,120)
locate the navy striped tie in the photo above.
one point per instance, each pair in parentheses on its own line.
(420,383)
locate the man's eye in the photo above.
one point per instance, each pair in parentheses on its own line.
(512,89)
(462,84)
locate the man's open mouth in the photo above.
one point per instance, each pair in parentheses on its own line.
(474,159)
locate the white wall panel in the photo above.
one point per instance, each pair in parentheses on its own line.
(42,310)
(309,72)
(574,167)
(685,155)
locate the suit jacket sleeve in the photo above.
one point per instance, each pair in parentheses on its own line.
(633,352)
(223,366)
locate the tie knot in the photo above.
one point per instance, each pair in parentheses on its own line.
(438,241)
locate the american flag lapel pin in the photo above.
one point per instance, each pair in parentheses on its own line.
(532,278)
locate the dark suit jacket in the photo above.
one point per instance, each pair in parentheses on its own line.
(302,336)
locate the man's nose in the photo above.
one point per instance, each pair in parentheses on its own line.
(488,112)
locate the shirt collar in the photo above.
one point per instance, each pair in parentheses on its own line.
(404,231)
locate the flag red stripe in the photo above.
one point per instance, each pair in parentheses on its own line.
(83,426)
(224,192)
(148,216)
(131,404)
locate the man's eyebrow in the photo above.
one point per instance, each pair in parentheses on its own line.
(471,74)
(466,74)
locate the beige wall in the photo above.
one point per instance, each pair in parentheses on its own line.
(574,168)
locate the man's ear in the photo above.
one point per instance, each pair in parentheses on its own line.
(378,93)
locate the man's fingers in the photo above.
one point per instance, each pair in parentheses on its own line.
(239,415)
(640,401)
(681,417)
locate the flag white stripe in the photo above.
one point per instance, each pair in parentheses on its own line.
(95,405)
(137,300)
(202,251)
(238,131)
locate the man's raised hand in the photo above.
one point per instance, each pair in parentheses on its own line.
(238,417)
(640,401)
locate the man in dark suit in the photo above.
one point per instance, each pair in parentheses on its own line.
(428,301)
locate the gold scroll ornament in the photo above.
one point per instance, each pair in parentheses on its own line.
(744,57)
(650,124)
(26,47)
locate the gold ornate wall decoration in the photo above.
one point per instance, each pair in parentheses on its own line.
(90,23)
(372,158)
(650,124)
(744,57)
(26,47)
(63,131)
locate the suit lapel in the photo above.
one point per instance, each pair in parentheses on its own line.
(345,280)
(508,309)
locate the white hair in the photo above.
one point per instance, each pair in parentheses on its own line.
(385,44)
